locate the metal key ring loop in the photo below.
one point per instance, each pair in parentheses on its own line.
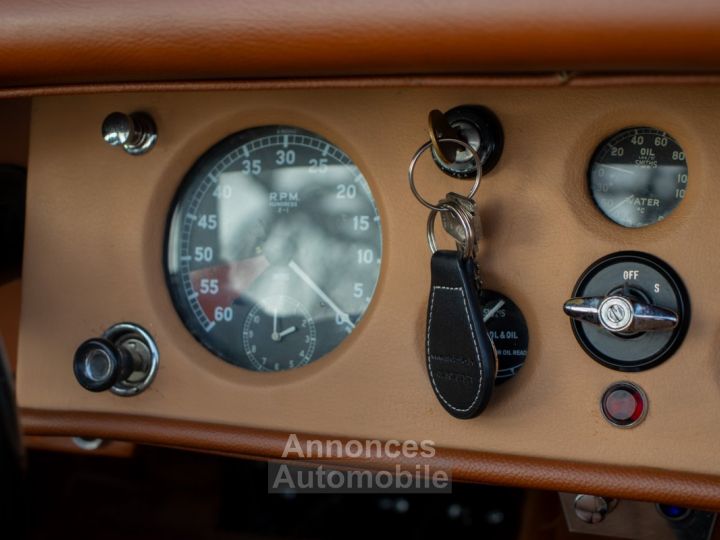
(469,233)
(421,151)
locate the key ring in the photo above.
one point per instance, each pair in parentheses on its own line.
(421,151)
(469,243)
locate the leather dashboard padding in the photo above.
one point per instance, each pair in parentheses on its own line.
(426,81)
(45,41)
(94,243)
(641,483)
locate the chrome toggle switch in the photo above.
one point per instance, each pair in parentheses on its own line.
(621,314)
(629,311)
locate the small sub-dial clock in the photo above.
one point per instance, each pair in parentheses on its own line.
(279,333)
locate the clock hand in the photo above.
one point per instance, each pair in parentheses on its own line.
(275,336)
(286,332)
(344,317)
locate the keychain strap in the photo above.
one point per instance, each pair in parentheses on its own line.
(461,358)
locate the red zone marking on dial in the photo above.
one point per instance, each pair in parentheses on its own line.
(233,279)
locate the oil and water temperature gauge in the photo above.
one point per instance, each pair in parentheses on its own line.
(638,176)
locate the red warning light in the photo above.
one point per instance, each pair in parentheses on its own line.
(624,404)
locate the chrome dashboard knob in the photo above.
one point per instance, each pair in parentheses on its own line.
(99,364)
(621,314)
(135,133)
(123,360)
(593,509)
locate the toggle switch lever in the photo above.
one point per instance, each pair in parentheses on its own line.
(621,314)
(629,311)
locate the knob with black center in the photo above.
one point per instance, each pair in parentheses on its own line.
(99,364)
(123,360)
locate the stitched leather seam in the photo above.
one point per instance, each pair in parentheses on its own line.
(472,333)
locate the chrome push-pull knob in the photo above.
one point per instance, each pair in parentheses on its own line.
(621,314)
(99,365)
(135,133)
(123,360)
(593,509)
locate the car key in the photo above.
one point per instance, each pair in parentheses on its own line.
(461,358)
(454,228)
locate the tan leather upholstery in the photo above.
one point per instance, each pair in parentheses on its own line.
(45,41)
(93,204)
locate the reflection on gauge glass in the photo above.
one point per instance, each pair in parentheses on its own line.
(273,248)
(508,331)
(638,176)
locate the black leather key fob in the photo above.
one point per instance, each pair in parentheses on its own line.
(461,358)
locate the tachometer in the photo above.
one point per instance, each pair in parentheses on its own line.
(273,248)
(638,176)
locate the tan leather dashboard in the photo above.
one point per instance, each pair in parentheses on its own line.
(93,257)
(46,42)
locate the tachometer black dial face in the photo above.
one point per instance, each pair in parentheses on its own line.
(273,248)
(638,176)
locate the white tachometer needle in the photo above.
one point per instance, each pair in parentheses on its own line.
(344,317)
(493,311)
